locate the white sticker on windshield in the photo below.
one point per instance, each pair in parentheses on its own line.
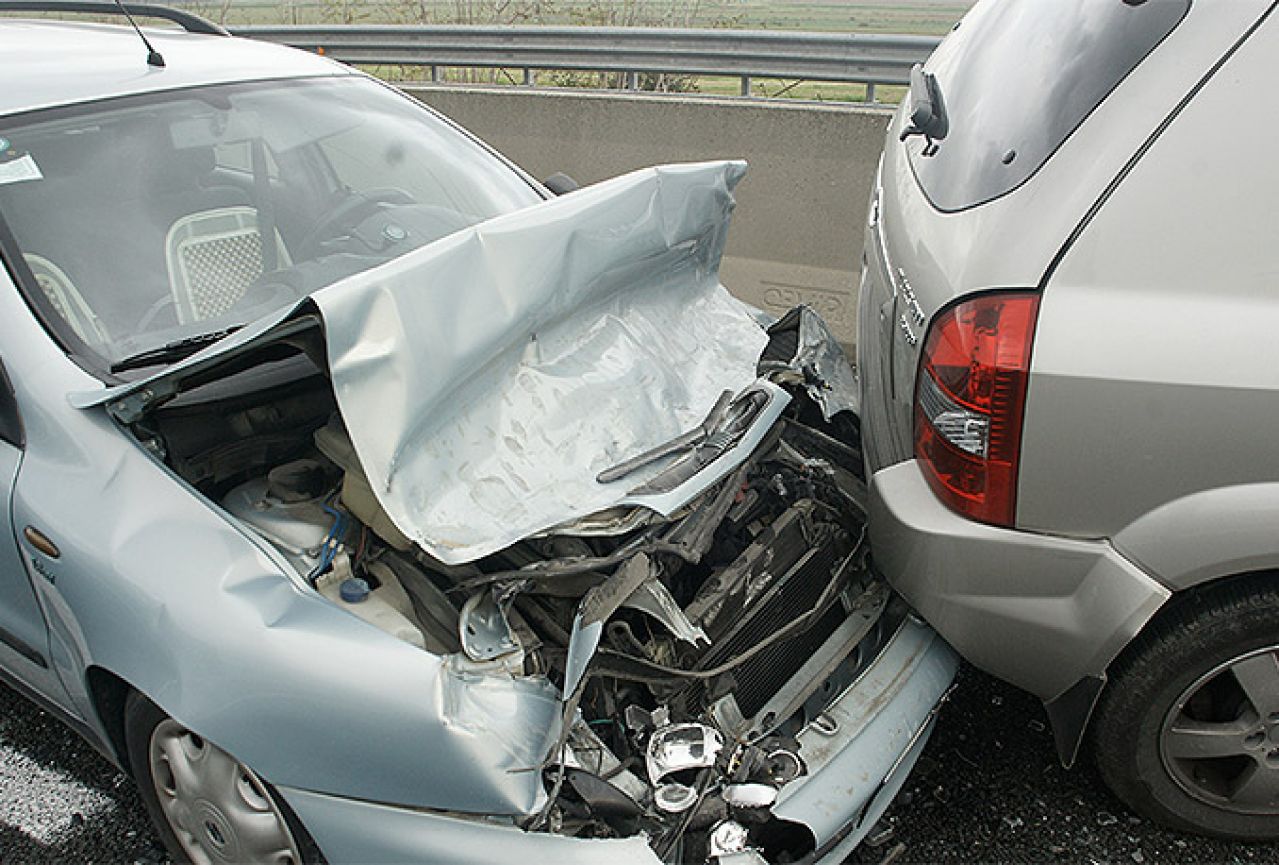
(20,169)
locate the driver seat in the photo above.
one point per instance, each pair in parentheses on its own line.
(213,257)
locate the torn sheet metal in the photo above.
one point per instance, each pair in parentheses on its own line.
(826,374)
(487,378)
(655,599)
(597,606)
(516,718)
(483,629)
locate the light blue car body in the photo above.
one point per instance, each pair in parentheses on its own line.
(118,575)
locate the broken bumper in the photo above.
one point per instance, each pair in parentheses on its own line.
(1039,611)
(860,750)
(858,753)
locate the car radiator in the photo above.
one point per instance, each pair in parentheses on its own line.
(784,575)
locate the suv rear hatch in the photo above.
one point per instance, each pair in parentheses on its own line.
(1047,103)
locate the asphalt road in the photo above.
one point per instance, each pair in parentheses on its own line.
(987,789)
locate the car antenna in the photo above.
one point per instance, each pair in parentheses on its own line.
(154,58)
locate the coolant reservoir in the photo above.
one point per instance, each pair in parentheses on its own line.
(387,607)
(294,522)
(357,495)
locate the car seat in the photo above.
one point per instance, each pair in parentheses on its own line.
(213,246)
(213,256)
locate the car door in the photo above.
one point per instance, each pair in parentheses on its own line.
(24,637)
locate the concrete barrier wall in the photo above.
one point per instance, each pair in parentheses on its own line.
(797,231)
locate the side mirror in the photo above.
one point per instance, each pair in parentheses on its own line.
(560,183)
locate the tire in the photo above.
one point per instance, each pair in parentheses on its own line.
(202,821)
(1187,731)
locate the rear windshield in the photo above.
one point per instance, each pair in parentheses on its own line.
(1017,77)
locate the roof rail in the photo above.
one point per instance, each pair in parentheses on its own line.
(189,22)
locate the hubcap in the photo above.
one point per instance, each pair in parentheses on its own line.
(218,809)
(1220,740)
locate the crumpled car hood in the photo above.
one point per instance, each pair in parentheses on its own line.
(486,379)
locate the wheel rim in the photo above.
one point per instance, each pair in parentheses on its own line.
(1220,740)
(218,809)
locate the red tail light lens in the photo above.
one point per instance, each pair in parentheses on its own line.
(970,396)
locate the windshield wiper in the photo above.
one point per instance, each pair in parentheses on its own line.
(691,439)
(172,351)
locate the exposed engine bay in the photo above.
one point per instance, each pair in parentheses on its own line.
(688,648)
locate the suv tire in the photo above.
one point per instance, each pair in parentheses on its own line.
(1187,731)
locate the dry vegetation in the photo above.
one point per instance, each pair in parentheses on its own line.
(924,17)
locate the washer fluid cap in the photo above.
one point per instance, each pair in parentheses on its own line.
(353,590)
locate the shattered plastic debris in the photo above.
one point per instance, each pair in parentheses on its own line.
(880,834)
(893,854)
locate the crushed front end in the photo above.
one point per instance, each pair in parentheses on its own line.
(726,683)
(618,525)
(738,686)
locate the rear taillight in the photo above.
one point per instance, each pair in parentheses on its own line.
(969,400)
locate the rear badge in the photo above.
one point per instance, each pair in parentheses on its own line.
(914,313)
(902,323)
(912,303)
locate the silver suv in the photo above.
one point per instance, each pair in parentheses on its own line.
(1068,373)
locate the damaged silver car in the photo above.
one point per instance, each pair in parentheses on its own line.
(369,503)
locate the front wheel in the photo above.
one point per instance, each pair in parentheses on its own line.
(1187,731)
(208,807)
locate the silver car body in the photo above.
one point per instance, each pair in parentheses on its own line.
(1142,472)
(388,752)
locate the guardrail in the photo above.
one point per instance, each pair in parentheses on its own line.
(856,58)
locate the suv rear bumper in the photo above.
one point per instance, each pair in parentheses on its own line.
(1039,611)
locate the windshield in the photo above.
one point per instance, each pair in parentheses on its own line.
(151,221)
(1018,77)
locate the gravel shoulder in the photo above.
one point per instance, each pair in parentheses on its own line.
(989,788)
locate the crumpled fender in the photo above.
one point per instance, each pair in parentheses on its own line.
(173,598)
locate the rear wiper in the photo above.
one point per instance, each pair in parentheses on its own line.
(927,110)
(171,351)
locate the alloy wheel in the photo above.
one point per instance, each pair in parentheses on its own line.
(1220,739)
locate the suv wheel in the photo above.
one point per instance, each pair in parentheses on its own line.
(208,807)
(1187,731)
